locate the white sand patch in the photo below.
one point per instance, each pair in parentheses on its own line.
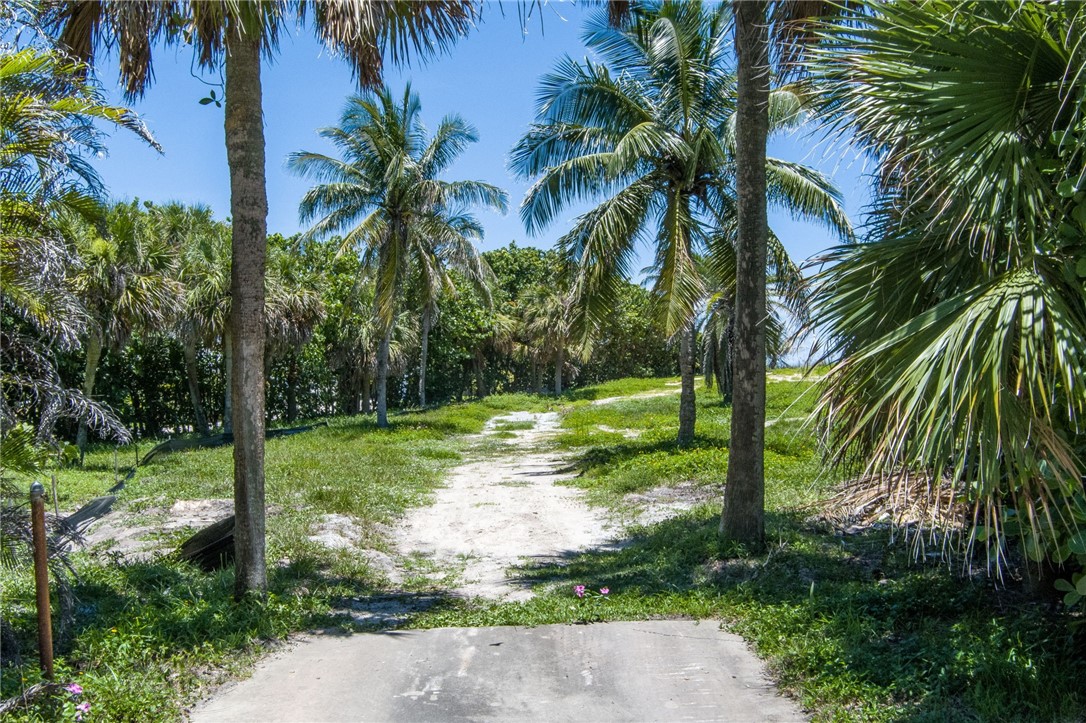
(494,514)
(642,395)
(627,433)
(662,503)
(141,540)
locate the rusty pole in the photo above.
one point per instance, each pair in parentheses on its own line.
(41,578)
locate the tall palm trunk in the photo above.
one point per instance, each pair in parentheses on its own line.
(382,378)
(192,372)
(742,519)
(94,356)
(249,210)
(425,343)
(559,362)
(228,383)
(687,401)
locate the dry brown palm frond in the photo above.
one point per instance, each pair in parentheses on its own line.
(925,509)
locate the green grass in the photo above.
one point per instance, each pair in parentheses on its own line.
(849,625)
(613,465)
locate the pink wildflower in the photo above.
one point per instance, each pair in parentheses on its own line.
(604,590)
(578,590)
(74,688)
(81,710)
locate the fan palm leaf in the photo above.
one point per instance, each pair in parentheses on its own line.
(959,321)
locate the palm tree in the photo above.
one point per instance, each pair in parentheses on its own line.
(235,34)
(125,282)
(295,307)
(351,338)
(789,294)
(546,320)
(454,252)
(959,321)
(203,247)
(47,113)
(652,131)
(385,195)
(742,518)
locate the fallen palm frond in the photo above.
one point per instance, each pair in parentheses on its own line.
(925,510)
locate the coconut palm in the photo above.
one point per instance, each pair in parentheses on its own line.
(789,22)
(651,131)
(959,321)
(788,292)
(742,518)
(384,194)
(236,34)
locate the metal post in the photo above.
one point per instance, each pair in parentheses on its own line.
(41,578)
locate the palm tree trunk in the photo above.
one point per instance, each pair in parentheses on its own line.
(249,210)
(192,372)
(228,376)
(480,379)
(687,402)
(724,374)
(94,355)
(382,378)
(742,519)
(366,394)
(559,362)
(425,342)
(292,387)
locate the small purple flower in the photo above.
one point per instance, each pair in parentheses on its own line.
(74,688)
(578,590)
(604,590)
(81,710)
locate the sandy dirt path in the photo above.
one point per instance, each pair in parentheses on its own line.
(501,511)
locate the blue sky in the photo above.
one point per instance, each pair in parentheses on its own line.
(489,78)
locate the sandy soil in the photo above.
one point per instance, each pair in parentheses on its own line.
(499,512)
(143,539)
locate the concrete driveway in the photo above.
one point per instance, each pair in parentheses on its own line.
(628,671)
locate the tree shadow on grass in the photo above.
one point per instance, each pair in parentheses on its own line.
(435,425)
(597,457)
